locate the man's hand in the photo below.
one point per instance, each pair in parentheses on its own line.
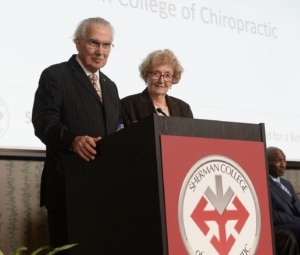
(85,146)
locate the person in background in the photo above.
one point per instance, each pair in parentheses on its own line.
(71,114)
(284,201)
(159,70)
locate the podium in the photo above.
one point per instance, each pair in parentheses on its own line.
(131,198)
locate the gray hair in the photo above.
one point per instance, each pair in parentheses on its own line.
(80,32)
(161,57)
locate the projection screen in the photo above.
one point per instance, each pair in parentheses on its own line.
(241,59)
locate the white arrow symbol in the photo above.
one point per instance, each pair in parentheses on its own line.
(219,200)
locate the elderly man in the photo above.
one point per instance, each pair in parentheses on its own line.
(75,106)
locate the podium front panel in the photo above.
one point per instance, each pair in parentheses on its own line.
(216,196)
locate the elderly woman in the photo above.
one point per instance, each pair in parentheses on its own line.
(160,70)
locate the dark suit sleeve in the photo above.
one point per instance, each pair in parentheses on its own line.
(281,217)
(46,112)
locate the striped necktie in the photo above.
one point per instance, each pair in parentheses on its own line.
(94,80)
(282,186)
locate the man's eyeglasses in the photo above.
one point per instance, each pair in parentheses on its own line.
(96,44)
(158,75)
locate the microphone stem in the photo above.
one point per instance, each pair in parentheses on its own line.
(159,110)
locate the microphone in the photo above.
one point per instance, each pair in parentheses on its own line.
(159,110)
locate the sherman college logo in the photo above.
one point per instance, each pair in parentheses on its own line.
(218,209)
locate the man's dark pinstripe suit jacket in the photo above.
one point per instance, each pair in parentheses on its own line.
(66,105)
